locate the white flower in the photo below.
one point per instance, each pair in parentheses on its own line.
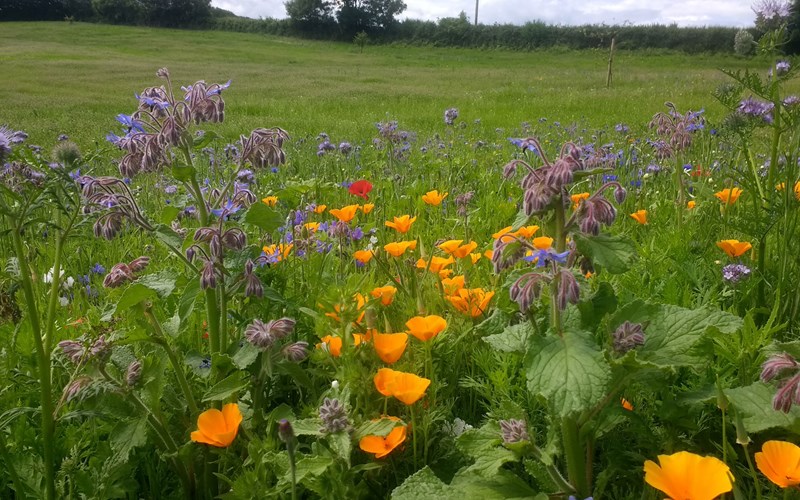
(69,282)
(335,385)
(64,301)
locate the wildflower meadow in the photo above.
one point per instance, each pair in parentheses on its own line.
(399,277)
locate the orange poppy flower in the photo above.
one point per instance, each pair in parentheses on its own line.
(367,208)
(385,293)
(458,251)
(331,344)
(280,251)
(502,232)
(451,286)
(360,302)
(363,256)
(345,214)
(320,208)
(401,224)
(626,404)
(578,198)
(434,198)
(526,231)
(684,475)
(475,257)
(398,248)
(728,196)
(734,248)
(312,227)
(543,243)
(472,302)
(436,264)
(408,388)
(270,201)
(640,216)
(780,462)
(382,446)
(390,346)
(383,381)
(449,246)
(691,204)
(488,254)
(426,327)
(218,428)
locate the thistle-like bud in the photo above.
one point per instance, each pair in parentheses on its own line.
(74,388)
(139,264)
(568,289)
(208,277)
(775,366)
(163,73)
(133,373)
(285,431)
(253,286)
(628,336)
(280,328)
(73,350)
(334,416)
(527,289)
(100,349)
(190,253)
(258,333)
(296,351)
(620,194)
(514,431)
(234,239)
(118,276)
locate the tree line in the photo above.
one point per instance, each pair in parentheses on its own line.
(378,20)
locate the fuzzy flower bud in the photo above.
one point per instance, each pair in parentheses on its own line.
(208,277)
(334,416)
(259,334)
(139,264)
(133,373)
(285,431)
(73,350)
(628,336)
(296,351)
(514,431)
(75,387)
(280,328)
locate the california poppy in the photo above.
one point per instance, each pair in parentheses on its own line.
(780,462)
(456,249)
(451,286)
(363,256)
(433,197)
(691,204)
(385,293)
(345,214)
(320,208)
(728,196)
(626,404)
(578,198)
(278,252)
(383,381)
(687,476)
(502,232)
(426,327)
(526,231)
(218,428)
(390,346)
(449,246)
(408,388)
(382,446)
(401,224)
(472,302)
(543,243)
(270,201)
(361,188)
(397,249)
(367,208)
(734,248)
(312,227)
(640,216)
(331,344)
(436,264)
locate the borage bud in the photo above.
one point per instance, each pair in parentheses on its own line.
(208,277)
(258,333)
(100,349)
(628,336)
(514,431)
(133,373)
(775,365)
(73,350)
(75,387)
(234,239)
(295,352)
(190,253)
(620,194)
(334,416)
(568,289)
(280,328)
(787,395)
(139,264)
(253,287)
(285,431)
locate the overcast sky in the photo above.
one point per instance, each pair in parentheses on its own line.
(683,12)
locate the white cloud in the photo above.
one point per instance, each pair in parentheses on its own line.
(572,12)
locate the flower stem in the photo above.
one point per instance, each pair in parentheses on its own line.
(575,456)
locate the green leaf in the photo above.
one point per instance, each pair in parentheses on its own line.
(513,339)
(134,294)
(227,387)
(671,333)
(603,302)
(188,298)
(569,371)
(263,217)
(476,442)
(615,253)
(168,214)
(167,236)
(381,427)
(182,173)
(127,435)
(162,282)
(503,484)
(309,467)
(204,140)
(754,402)
(521,220)
(245,356)
(307,427)
(341,444)
(423,484)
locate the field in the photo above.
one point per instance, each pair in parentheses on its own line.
(450,273)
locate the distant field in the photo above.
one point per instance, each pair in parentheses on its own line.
(74,78)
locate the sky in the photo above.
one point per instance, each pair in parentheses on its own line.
(683,12)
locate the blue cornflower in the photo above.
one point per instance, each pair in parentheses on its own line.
(229,208)
(98,269)
(130,122)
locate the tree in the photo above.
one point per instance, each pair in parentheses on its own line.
(310,12)
(368,15)
(175,13)
(793,42)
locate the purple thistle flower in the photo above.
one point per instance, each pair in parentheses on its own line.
(334,416)
(514,431)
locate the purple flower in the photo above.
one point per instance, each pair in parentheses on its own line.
(525,144)
(781,68)
(130,123)
(622,128)
(345,148)
(450,116)
(514,431)
(542,257)
(734,273)
(756,109)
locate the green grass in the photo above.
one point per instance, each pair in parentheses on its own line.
(74,78)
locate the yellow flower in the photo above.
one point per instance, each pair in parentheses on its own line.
(640,216)
(280,251)
(270,201)
(728,196)
(691,204)
(434,198)
(397,249)
(780,462)
(382,446)
(311,226)
(331,344)
(363,256)
(345,214)
(385,293)
(320,208)
(526,231)
(218,428)
(426,327)
(475,257)
(543,242)
(578,198)
(472,302)
(502,232)
(488,254)
(734,248)
(408,388)
(367,208)
(436,265)
(401,224)
(686,476)
(390,346)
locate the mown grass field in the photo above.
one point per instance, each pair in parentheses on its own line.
(74,78)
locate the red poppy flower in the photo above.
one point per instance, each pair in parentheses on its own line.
(361,188)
